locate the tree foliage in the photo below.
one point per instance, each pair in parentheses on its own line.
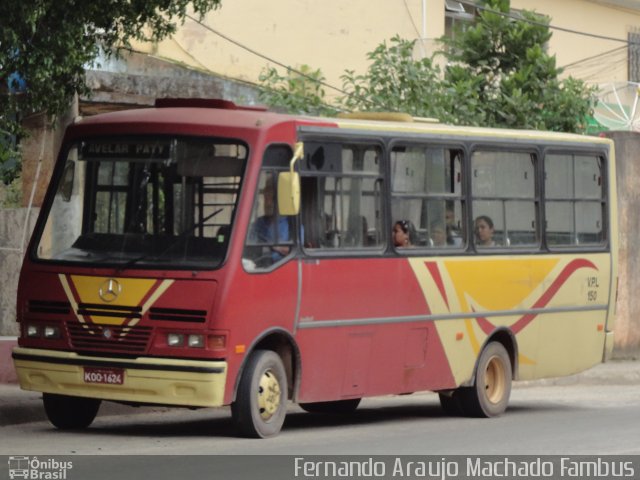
(496,73)
(45,46)
(299,91)
(394,82)
(515,82)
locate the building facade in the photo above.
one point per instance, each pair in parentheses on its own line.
(241,38)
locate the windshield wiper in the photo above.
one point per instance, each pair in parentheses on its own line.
(178,239)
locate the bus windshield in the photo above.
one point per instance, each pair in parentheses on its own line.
(144,202)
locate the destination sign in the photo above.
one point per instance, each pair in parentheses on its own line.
(126,150)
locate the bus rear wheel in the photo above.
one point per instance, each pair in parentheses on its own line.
(67,413)
(338,406)
(261,399)
(489,396)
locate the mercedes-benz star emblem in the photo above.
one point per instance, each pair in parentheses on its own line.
(110,290)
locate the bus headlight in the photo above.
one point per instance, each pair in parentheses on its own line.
(196,341)
(51,332)
(175,339)
(190,340)
(33,331)
(48,332)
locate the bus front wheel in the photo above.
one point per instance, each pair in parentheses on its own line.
(68,413)
(261,399)
(490,394)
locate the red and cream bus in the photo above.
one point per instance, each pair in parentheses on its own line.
(202,254)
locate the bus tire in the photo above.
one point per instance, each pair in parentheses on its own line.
(67,413)
(261,400)
(340,407)
(489,396)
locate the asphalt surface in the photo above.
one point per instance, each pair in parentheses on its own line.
(18,406)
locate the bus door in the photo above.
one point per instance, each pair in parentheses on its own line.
(350,301)
(268,295)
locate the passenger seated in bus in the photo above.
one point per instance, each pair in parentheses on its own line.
(404,234)
(263,230)
(484,231)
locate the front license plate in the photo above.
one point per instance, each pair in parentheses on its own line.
(105,376)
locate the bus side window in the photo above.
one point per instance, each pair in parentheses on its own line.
(270,237)
(426,183)
(341,188)
(504,198)
(575,195)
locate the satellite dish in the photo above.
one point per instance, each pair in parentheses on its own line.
(618,106)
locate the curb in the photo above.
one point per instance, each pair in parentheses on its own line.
(613,372)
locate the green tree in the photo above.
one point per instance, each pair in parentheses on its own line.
(513,82)
(395,81)
(299,91)
(45,46)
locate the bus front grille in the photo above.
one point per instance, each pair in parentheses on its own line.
(177,315)
(108,338)
(48,307)
(109,311)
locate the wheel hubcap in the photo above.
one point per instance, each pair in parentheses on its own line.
(494,379)
(268,395)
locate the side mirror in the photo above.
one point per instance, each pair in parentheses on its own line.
(288,193)
(289,186)
(66,185)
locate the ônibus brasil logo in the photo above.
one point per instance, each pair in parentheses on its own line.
(38,469)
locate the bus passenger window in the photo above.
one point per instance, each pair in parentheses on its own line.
(341,188)
(427,192)
(504,199)
(575,196)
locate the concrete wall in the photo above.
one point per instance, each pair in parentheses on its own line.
(12,231)
(627,329)
(335,35)
(136,80)
(599,18)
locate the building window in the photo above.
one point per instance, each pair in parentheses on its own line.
(457,16)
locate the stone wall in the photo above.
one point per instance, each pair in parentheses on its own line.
(12,232)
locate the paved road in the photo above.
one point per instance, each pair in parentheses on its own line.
(593,414)
(596,413)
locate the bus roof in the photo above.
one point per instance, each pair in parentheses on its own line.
(197,116)
(435,128)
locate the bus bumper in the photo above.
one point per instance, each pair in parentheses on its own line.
(144,380)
